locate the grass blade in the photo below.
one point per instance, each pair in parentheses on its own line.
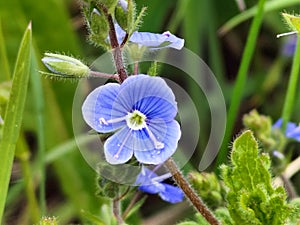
(13,115)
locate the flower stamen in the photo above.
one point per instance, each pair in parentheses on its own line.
(116,120)
(157,144)
(116,156)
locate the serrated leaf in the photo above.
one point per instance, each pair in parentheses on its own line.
(251,197)
(14,114)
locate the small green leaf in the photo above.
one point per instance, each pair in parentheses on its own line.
(14,114)
(251,197)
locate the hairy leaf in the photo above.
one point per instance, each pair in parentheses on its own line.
(251,197)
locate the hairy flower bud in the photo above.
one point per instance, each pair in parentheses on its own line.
(65,65)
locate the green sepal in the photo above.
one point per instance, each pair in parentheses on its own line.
(99,25)
(110,181)
(292,21)
(121,17)
(251,196)
(109,4)
(107,188)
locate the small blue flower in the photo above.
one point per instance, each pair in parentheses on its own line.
(151,40)
(150,183)
(292,130)
(141,110)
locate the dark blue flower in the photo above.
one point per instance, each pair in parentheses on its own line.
(141,110)
(150,183)
(292,130)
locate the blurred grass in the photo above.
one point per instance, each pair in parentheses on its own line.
(69,182)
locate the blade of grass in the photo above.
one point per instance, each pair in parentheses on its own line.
(292,87)
(38,99)
(270,6)
(239,85)
(5,70)
(13,115)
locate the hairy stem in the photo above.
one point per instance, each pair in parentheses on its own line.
(131,204)
(104,75)
(117,211)
(116,49)
(190,193)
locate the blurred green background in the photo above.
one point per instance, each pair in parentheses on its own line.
(58,26)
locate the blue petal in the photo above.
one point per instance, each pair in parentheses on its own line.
(171,194)
(292,130)
(115,148)
(150,95)
(294,133)
(146,184)
(157,40)
(153,188)
(98,104)
(170,140)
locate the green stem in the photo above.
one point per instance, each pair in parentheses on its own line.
(190,193)
(241,81)
(292,86)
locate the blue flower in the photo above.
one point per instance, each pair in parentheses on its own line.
(150,183)
(141,110)
(292,130)
(151,40)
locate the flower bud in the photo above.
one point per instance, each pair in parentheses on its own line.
(65,65)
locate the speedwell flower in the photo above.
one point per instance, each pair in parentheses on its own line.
(141,110)
(150,183)
(292,130)
(151,40)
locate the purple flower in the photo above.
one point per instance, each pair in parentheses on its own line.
(141,110)
(292,130)
(151,183)
(151,40)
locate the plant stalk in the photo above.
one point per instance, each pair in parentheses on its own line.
(190,193)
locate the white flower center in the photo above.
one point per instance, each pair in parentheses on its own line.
(135,120)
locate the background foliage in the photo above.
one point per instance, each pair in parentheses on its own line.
(47,124)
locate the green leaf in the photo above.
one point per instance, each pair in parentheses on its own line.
(251,197)
(3,58)
(14,114)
